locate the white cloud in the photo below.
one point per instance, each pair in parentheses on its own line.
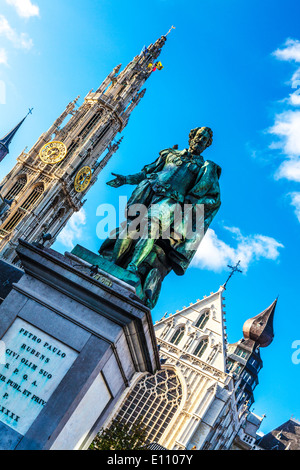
(3,56)
(215,255)
(290,51)
(74,230)
(24,8)
(295,78)
(295,197)
(22,41)
(294,97)
(287,124)
(290,170)
(286,128)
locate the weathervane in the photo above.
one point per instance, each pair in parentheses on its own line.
(234,269)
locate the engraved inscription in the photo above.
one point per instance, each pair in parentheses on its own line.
(34,365)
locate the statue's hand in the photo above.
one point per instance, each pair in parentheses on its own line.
(118,181)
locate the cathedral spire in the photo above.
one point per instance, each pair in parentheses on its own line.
(81,141)
(7,139)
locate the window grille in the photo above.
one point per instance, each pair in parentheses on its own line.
(154,400)
(13,222)
(16,188)
(33,197)
(89,126)
(26,205)
(102,134)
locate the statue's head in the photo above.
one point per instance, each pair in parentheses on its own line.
(199,139)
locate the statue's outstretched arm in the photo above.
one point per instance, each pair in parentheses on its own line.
(137,178)
(130,179)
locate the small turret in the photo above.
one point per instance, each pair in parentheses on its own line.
(260,328)
(243,359)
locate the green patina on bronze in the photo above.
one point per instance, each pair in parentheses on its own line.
(176,177)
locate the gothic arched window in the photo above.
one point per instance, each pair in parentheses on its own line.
(202,320)
(102,133)
(201,347)
(55,201)
(27,204)
(13,221)
(57,219)
(177,336)
(33,197)
(60,213)
(16,188)
(89,126)
(155,398)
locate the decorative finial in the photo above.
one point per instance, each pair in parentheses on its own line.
(172,27)
(29,111)
(162,318)
(76,99)
(234,269)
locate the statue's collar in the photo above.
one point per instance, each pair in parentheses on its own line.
(192,157)
(185,154)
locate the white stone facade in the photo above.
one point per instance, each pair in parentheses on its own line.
(205,413)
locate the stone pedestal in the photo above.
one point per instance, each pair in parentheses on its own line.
(72,344)
(106,267)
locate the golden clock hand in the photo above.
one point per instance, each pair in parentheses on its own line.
(50,152)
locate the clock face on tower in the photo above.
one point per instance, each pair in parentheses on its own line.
(83,179)
(53,152)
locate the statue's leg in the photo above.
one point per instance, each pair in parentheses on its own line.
(122,246)
(152,287)
(142,250)
(159,218)
(145,245)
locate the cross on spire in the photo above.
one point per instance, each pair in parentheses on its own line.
(234,269)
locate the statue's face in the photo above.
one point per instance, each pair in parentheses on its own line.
(199,142)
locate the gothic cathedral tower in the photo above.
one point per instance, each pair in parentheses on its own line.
(48,183)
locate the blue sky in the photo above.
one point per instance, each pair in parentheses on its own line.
(229,65)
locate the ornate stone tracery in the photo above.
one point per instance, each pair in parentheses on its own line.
(156,398)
